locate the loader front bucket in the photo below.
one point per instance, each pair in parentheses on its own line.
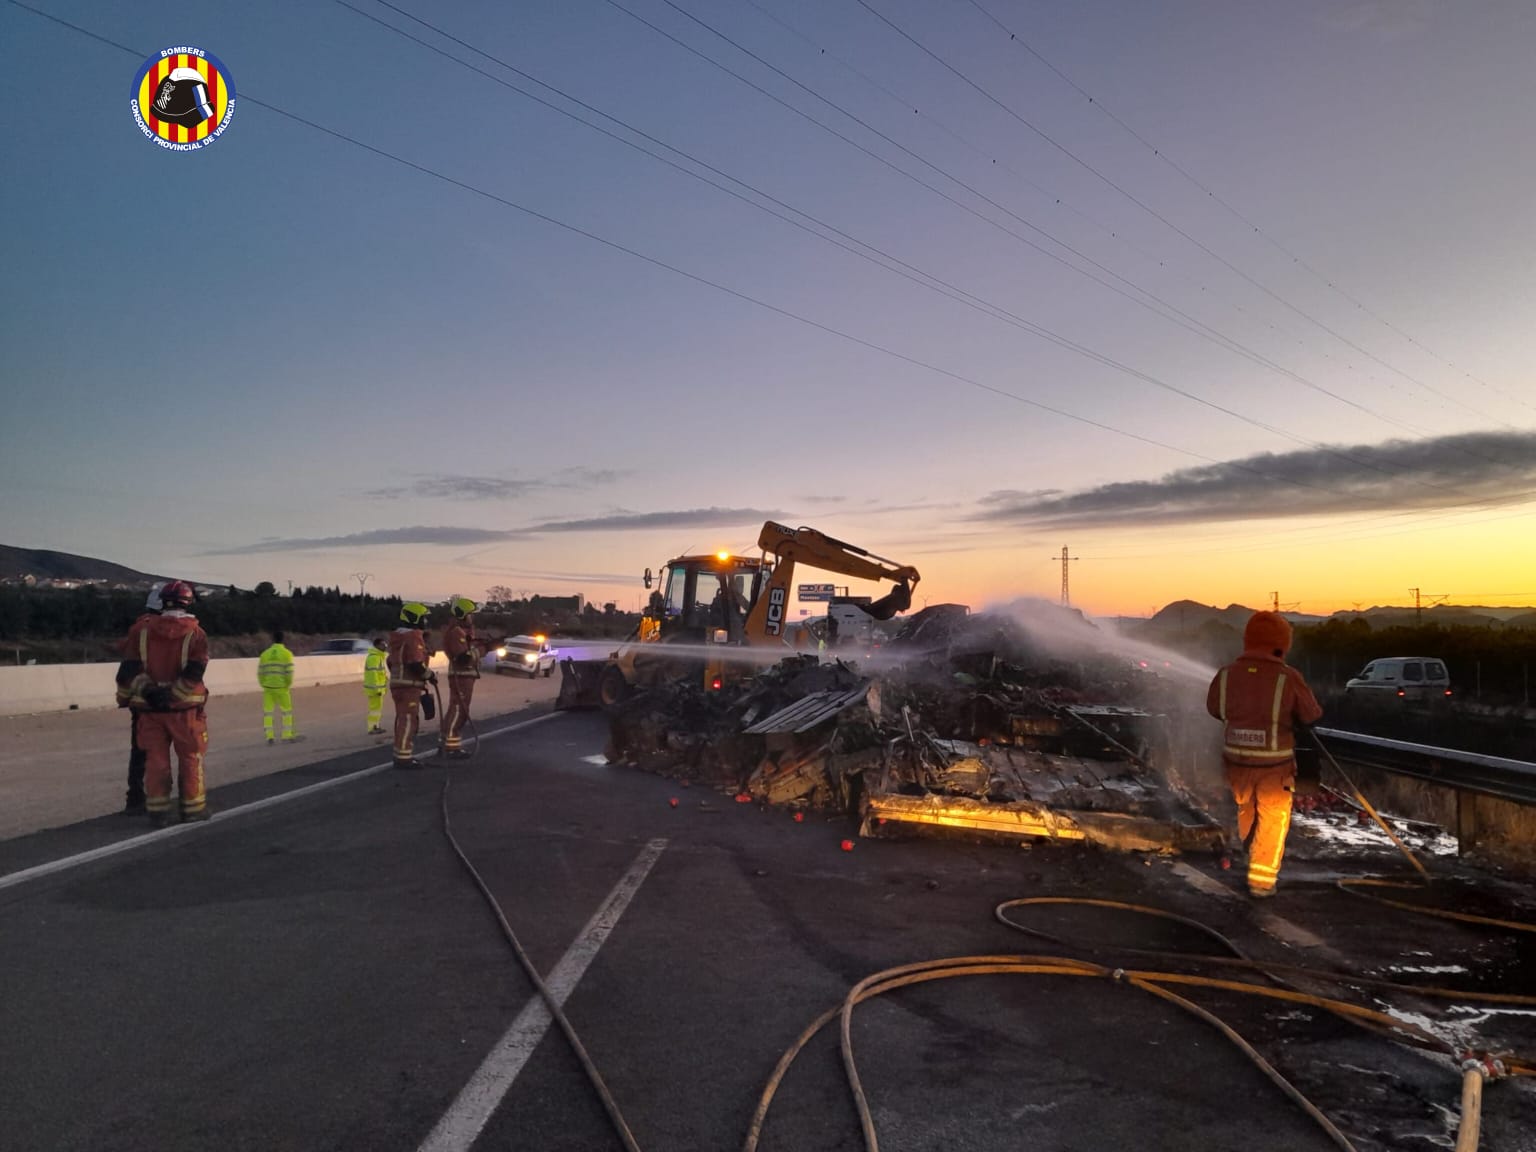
(898,599)
(580,684)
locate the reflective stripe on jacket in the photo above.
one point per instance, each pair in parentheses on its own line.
(163,647)
(376,671)
(407,647)
(274,668)
(1260,699)
(461,649)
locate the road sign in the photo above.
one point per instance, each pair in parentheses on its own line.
(809,592)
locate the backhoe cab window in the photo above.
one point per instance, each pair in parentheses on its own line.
(677,579)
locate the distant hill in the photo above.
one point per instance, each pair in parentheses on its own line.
(1188,615)
(46,565)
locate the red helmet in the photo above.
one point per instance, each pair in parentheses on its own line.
(177,594)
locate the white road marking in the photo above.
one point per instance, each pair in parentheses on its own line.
(1286,931)
(462,1124)
(10,880)
(1198,879)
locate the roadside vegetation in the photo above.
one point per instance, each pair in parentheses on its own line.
(85,624)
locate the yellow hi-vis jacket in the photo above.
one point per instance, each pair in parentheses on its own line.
(274,669)
(376,670)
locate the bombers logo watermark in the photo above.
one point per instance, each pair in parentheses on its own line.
(183,99)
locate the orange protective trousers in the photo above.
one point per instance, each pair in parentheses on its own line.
(1263,798)
(407,719)
(461,690)
(187,732)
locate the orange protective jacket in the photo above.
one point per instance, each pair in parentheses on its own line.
(407,658)
(462,649)
(1260,698)
(169,652)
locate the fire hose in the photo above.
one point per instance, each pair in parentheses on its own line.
(468,721)
(1475,1067)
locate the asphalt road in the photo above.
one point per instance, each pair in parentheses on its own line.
(321,974)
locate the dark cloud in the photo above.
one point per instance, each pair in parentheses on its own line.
(590,477)
(378,536)
(515,576)
(643,521)
(452,486)
(1469,469)
(447,534)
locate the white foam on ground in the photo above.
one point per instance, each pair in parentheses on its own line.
(1346,833)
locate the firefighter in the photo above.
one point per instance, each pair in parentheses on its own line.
(408,678)
(1261,699)
(274,672)
(161,679)
(136,759)
(464,651)
(376,682)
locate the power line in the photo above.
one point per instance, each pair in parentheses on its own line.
(1014,38)
(944,288)
(1217,337)
(1147,208)
(1059,201)
(657,262)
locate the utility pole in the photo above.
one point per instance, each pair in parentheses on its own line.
(1066,587)
(1418,603)
(362,579)
(1274,601)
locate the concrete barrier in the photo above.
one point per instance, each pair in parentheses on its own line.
(64,687)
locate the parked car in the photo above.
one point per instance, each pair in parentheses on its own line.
(1420,678)
(342,646)
(529,655)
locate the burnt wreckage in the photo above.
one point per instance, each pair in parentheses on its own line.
(967,723)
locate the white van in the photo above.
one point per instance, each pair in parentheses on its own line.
(1406,677)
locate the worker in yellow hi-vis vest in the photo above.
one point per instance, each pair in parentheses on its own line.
(376,683)
(274,672)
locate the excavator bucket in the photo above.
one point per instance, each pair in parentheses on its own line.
(580,684)
(898,599)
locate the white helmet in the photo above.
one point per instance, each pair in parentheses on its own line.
(152,601)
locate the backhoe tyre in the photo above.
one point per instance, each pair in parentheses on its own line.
(612,688)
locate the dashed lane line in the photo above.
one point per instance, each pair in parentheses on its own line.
(1198,879)
(467,1117)
(63,864)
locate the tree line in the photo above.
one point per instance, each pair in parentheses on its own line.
(1493,665)
(88,612)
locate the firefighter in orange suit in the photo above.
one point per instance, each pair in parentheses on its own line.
(161,680)
(1260,699)
(408,678)
(464,651)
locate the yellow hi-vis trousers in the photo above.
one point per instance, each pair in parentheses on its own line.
(272,699)
(375,706)
(1263,798)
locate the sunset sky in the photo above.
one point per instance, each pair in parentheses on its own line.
(1257,319)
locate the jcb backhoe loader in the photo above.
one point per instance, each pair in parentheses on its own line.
(708,605)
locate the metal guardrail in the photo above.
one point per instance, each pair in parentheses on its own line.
(1464,772)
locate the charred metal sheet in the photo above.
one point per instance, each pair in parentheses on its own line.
(1019,818)
(1023,819)
(792,778)
(809,711)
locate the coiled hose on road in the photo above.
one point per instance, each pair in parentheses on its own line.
(1475,1067)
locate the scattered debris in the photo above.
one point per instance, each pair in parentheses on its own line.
(963,722)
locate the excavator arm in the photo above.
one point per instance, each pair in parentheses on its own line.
(793,546)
